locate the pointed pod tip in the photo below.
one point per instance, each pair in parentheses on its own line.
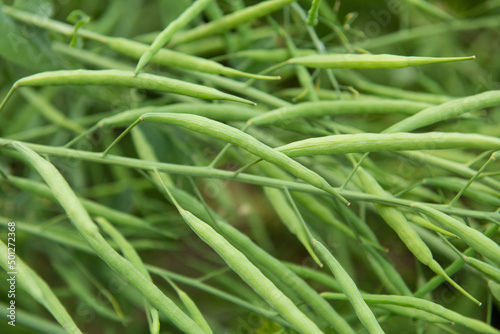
(473,56)
(480,304)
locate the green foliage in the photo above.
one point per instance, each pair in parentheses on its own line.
(191,167)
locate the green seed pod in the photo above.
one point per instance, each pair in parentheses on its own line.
(446,111)
(122,78)
(334,108)
(368,61)
(173,58)
(472,237)
(372,142)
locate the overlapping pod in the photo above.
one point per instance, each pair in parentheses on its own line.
(375,142)
(470,236)
(368,61)
(177,59)
(350,289)
(240,264)
(308,294)
(90,232)
(446,111)
(398,223)
(219,112)
(122,78)
(37,288)
(413,313)
(452,268)
(164,37)
(239,138)
(334,108)
(424,305)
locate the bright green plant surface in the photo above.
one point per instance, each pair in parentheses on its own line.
(360,195)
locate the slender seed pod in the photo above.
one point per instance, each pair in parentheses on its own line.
(38,289)
(239,138)
(177,59)
(424,305)
(446,111)
(372,142)
(350,289)
(334,108)
(122,78)
(174,26)
(368,61)
(414,313)
(485,268)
